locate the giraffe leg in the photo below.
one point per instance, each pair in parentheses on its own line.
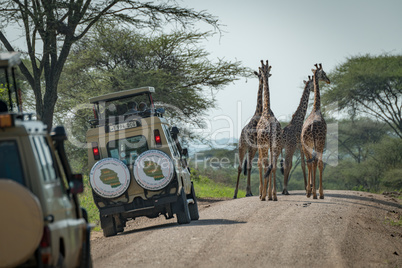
(264,189)
(310,175)
(303,165)
(260,171)
(321,189)
(287,167)
(277,153)
(268,180)
(275,198)
(239,170)
(313,179)
(242,152)
(309,171)
(251,155)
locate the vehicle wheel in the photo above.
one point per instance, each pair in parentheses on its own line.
(120,229)
(60,261)
(109,226)
(86,258)
(119,223)
(193,208)
(183,215)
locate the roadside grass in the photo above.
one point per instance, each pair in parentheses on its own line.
(206,188)
(394,222)
(203,186)
(87,202)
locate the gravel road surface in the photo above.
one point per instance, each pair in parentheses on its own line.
(346,229)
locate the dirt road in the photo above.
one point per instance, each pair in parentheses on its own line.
(346,229)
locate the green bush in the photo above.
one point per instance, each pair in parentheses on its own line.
(87,202)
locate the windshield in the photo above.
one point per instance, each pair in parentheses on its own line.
(10,162)
(125,106)
(127,149)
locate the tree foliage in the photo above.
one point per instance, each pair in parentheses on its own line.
(52,27)
(354,137)
(369,86)
(112,58)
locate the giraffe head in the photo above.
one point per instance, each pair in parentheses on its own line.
(265,69)
(309,84)
(320,74)
(258,74)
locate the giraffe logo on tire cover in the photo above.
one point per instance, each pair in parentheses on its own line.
(109,177)
(153,170)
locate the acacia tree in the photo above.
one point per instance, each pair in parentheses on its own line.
(355,136)
(369,86)
(113,58)
(51,28)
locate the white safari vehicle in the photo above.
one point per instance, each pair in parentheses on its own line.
(138,166)
(42,223)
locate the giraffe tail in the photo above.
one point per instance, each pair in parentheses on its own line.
(245,167)
(314,154)
(282,168)
(268,171)
(313,157)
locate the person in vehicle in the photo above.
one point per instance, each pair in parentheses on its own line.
(132,107)
(142,107)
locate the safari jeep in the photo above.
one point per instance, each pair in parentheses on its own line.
(42,223)
(138,166)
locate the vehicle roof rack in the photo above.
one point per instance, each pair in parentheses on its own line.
(122,94)
(9,59)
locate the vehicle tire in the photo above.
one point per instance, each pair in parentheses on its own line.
(108,226)
(86,258)
(193,208)
(183,215)
(60,261)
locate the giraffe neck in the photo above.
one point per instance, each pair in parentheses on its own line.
(300,113)
(258,109)
(317,99)
(267,104)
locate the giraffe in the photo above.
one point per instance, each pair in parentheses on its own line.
(313,135)
(269,140)
(248,140)
(291,135)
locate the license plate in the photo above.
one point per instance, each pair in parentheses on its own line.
(122,126)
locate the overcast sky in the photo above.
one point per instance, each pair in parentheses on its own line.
(293,35)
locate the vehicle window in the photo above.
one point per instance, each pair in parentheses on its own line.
(45,158)
(128,149)
(41,157)
(123,106)
(171,142)
(11,162)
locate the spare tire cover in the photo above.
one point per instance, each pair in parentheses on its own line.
(153,170)
(109,177)
(21,225)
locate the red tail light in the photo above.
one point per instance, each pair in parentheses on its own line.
(158,140)
(95,150)
(45,243)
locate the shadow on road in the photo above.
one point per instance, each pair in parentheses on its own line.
(353,197)
(202,222)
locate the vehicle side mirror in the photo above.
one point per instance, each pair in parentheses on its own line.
(58,133)
(175,130)
(185,152)
(76,184)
